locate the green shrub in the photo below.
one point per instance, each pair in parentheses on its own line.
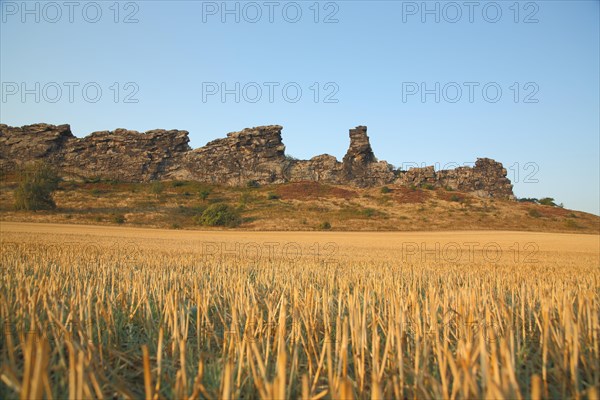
(118,218)
(325,225)
(204,194)
(369,212)
(547,201)
(534,213)
(272,196)
(455,198)
(37,182)
(428,186)
(385,190)
(178,183)
(220,214)
(252,184)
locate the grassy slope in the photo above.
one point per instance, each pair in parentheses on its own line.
(296,206)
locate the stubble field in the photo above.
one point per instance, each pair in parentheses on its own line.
(104,312)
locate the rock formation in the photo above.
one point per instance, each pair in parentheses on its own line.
(253,154)
(361,166)
(486,179)
(121,154)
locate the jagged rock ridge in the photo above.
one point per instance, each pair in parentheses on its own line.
(256,154)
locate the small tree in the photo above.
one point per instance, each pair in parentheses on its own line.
(37,182)
(204,194)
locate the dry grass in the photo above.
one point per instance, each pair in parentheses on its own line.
(313,190)
(132,313)
(297,206)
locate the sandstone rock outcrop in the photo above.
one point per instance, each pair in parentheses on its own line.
(127,155)
(32,142)
(253,154)
(321,168)
(486,179)
(359,153)
(120,154)
(360,165)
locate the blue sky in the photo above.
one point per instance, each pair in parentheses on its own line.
(355,62)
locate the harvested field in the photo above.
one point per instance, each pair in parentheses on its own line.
(97,311)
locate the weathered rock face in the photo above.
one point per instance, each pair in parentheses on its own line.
(360,165)
(322,168)
(121,154)
(256,154)
(253,154)
(32,142)
(359,153)
(486,179)
(126,155)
